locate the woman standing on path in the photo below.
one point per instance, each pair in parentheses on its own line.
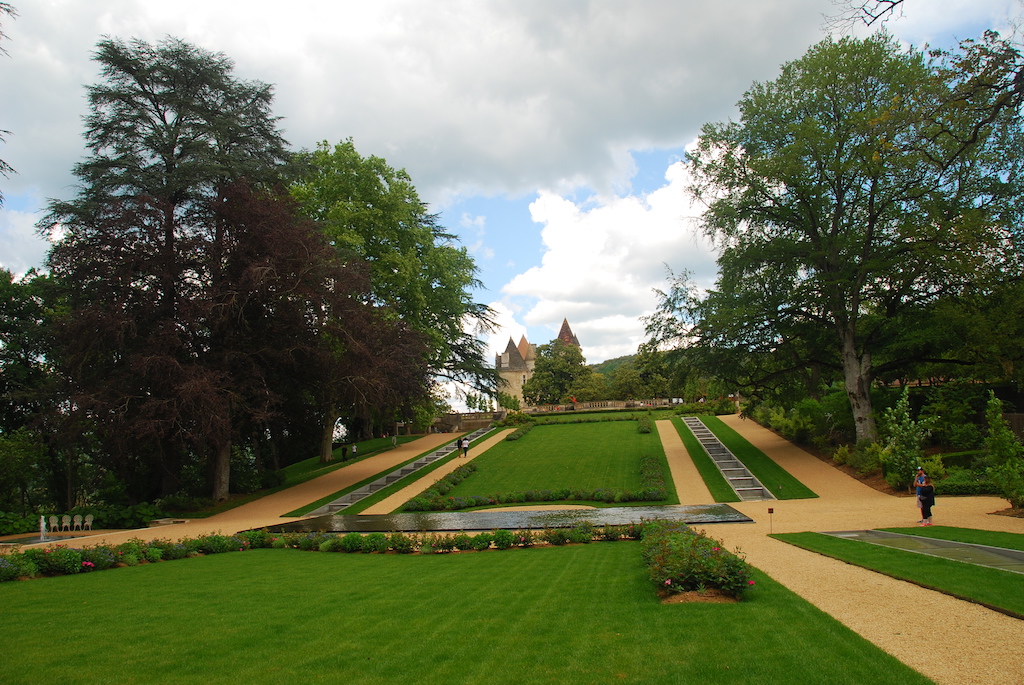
(925,497)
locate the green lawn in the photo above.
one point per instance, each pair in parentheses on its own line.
(971,535)
(580,614)
(778,481)
(718,486)
(582,456)
(991,587)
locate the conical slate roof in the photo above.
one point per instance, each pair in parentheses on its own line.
(566,335)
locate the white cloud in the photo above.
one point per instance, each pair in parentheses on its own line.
(603,258)
(20,248)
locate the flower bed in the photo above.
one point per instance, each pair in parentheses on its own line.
(680,559)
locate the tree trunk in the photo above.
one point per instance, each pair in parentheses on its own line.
(327,435)
(221,471)
(857,374)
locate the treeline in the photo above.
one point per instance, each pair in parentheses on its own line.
(216,305)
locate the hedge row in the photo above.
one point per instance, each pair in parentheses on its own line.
(680,559)
(62,560)
(441,543)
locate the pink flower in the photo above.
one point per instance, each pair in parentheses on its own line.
(750,582)
(715,549)
(668,581)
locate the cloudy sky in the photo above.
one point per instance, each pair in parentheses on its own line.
(547,133)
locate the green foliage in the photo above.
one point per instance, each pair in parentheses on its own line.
(951,409)
(904,439)
(559,373)
(643,424)
(1005,455)
(55,561)
(375,542)
(961,481)
(824,195)
(401,543)
(15,566)
(352,542)
(503,539)
(679,560)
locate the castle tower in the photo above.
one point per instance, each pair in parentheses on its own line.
(515,364)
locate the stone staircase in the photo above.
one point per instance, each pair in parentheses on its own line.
(742,481)
(347,500)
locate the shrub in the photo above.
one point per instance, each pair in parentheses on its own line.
(331,544)
(680,559)
(555,536)
(463,541)
(14,566)
(153,554)
(582,532)
(961,481)
(503,539)
(56,561)
(375,542)
(352,542)
(255,539)
(219,544)
(904,438)
(171,550)
(610,533)
(643,424)
(525,538)
(101,557)
(482,541)
(402,543)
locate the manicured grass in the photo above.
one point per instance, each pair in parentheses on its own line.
(970,535)
(580,614)
(713,478)
(778,481)
(577,456)
(1000,590)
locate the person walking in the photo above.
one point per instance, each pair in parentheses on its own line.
(465,447)
(927,500)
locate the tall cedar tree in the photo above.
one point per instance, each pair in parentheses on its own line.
(169,129)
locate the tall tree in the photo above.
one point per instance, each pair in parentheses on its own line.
(560,371)
(372,211)
(850,195)
(169,129)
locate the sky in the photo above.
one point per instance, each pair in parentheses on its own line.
(548,134)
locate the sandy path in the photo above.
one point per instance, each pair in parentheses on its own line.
(393,502)
(689,485)
(949,640)
(267,511)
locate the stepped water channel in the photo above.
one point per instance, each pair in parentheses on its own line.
(742,481)
(365,491)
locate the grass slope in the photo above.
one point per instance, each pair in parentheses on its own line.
(582,456)
(579,614)
(778,481)
(1000,590)
(713,478)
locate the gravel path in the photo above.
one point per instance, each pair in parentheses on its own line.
(949,640)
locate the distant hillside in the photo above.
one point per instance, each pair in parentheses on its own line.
(609,366)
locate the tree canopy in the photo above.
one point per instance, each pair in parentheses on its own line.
(853,195)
